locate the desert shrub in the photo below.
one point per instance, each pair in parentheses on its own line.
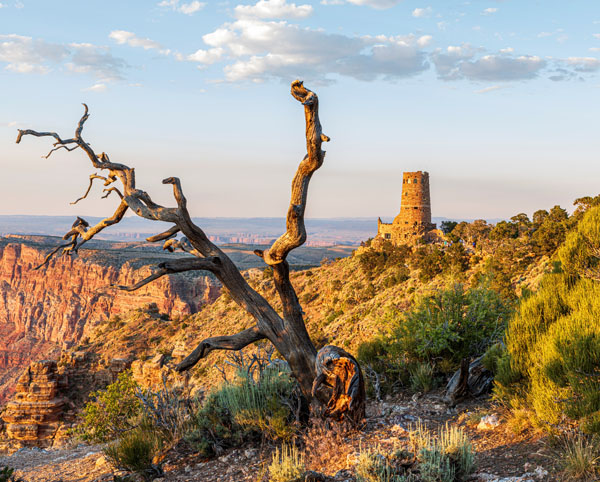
(551,231)
(135,452)
(167,411)
(375,466)
(580,456)
(452,324)
(385,371)
(7,475)
(554,339)
(244,408)
(287,465)
(429,260)
(373,262)
(111,412)
(456,259)
(395,276)
(443,457)
(422,377)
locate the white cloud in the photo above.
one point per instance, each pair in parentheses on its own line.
(28,55)
(596,35)
(260,49)
(466,62)
(584,64)
(378,4)
(422,12)
(424,40)
(206,57)
(594,49)
(496,67)
(99,87)
(507,50)
(98,61)
(186,8)
(131,39)
(490,11)
(490,89)
(273,9)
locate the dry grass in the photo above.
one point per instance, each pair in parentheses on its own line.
(327,446)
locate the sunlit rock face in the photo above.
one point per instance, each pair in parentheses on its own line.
(32,417)
(44,310)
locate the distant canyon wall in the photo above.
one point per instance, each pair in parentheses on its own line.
(60,303)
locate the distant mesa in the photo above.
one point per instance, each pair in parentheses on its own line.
(413,223)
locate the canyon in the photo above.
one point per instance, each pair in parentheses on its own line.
(46,310)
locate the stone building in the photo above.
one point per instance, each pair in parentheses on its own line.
(413,223)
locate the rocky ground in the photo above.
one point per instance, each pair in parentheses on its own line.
(503,453)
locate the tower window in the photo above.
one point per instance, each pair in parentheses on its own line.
(416,181)
(387,235)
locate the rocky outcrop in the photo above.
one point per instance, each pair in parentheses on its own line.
(56,306)
(33,416)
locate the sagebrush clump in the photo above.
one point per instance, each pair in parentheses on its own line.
(246,408)
(287,465)
(136,451)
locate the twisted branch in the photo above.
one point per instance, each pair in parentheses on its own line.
(233,342)
(175,266)
(295,234)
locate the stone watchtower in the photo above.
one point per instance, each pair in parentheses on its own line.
(414,221)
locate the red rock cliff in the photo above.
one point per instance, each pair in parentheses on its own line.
(62,301)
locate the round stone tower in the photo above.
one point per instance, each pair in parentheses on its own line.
(415,206)
(414,220)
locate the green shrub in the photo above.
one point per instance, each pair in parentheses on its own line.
(374,466)
(112,411)
(246,408)
(385,371)
(168,412)
(422,377)
(452,324)
(287,465)
(135,452)
(444,457)
(554,339)
(373,262)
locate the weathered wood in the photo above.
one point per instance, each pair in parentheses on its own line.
(340,371)
(471,379)
(287,331)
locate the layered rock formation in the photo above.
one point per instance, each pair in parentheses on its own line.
(33,416)
(59,304)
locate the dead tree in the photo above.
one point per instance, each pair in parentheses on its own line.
(287,331)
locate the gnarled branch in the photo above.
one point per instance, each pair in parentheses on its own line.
(232,342)
(175,266)
(295,234)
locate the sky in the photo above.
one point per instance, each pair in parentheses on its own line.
(497,100)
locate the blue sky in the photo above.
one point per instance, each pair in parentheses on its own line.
(498,100)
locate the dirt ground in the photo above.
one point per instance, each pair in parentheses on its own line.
(501,454)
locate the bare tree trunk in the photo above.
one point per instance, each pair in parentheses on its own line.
(287,331)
